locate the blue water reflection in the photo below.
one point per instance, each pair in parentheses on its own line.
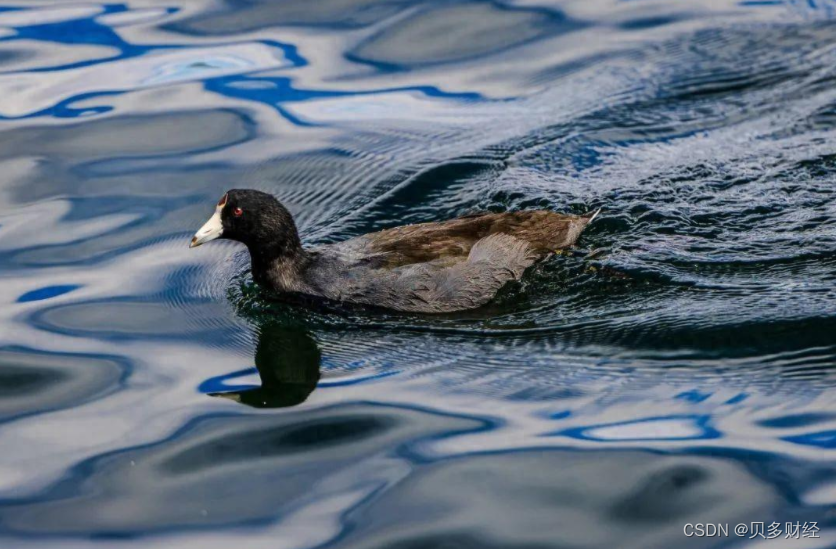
(679,368)
(46,292)
(647,429)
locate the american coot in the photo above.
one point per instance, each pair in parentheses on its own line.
(428,267)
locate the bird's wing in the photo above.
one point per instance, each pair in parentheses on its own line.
(545,232)
(446,286)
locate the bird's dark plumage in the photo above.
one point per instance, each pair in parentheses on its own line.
(428,267)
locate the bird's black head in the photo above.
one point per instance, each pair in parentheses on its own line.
(254,218)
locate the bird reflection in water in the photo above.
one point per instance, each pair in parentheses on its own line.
(287,359)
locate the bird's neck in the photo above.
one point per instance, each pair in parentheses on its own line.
(280,267)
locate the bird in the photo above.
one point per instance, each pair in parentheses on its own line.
(434,267)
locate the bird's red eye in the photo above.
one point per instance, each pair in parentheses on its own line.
(237,212)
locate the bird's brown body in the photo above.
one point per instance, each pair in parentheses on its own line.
(544,231)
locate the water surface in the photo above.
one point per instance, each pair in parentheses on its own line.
(678,368)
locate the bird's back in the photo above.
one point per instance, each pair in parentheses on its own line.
(543,230)
(442,267)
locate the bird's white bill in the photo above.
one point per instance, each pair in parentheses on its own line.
(211,230)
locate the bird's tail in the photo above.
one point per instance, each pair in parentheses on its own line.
(592,216)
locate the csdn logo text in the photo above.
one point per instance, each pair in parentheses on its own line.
(706,530)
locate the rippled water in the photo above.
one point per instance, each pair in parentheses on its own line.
(683,372)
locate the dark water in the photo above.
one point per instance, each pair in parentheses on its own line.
(684,373)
